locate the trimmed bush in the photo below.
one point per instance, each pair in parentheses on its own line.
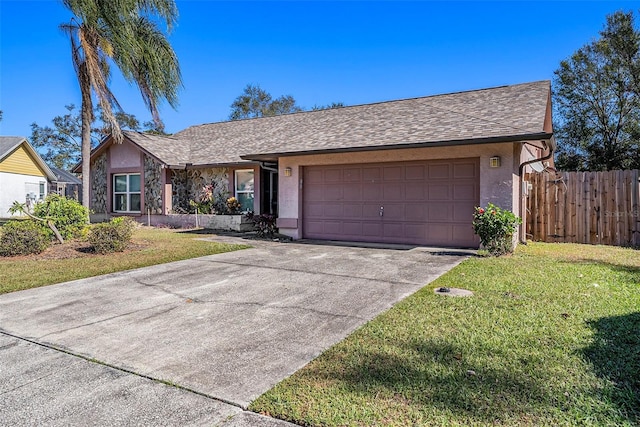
(23,238)
(495,227)
(112,236)
(264,224)
(68,215)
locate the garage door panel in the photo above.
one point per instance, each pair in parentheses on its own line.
(464,191)
(415,191)
(333,210)
(352,210)
(415,172)
(314,210)
(372,192)
(439,212)
(463,212)
(393,230)
(439,192)
(333,175)
(371,211)
(425,202)
(352,174)
(314,177)
(392,192)
(394,173)
(333,192)
(393,212)
(438,171)
(371,174)
(415,212)
(464,170)
(352,192)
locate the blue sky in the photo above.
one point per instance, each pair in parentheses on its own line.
(353,52)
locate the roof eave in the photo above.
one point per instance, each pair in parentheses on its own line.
(490,140)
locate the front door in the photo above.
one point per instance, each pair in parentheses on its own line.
(269,180)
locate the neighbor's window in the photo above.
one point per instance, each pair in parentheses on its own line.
(126,193)
(244,189)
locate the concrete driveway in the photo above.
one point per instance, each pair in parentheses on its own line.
(227,326)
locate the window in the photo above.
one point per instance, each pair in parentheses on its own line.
(42,191)
(244,189)
(126,193)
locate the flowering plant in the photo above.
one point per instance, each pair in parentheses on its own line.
(233,205)
(495,227)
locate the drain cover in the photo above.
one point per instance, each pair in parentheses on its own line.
(453,292)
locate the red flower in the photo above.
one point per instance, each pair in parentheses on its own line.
(480,210)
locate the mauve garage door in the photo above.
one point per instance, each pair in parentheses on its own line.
(425,202)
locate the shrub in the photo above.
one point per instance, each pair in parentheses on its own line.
(112,236)
(23,238)
(264,224)
(495,227)
(68,215)
(233,205)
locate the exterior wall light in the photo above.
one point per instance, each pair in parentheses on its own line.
(494,162)
(287,171)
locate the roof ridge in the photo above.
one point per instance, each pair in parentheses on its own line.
(369,104)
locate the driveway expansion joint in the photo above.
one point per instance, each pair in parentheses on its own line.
(127,371)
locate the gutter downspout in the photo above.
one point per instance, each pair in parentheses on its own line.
(263,165)
(551,146)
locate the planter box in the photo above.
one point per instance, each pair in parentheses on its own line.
(215,222)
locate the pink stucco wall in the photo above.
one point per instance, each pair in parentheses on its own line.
(497,185)
(125,155)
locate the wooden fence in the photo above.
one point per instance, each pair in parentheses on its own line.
(584,207)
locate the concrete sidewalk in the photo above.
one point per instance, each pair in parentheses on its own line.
(227,326)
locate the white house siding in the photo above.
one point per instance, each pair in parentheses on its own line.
(14,187)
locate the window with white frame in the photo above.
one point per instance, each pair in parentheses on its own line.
(244,188)
(126,192)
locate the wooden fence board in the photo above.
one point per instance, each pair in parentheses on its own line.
(584,207)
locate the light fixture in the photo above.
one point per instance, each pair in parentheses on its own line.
(287,171)
(494,162)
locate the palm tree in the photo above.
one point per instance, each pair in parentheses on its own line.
(123,33)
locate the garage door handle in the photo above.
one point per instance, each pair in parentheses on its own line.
(381,210)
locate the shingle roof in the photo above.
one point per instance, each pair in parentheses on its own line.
(169,149)
(474,116)
(65,176)
(9,143)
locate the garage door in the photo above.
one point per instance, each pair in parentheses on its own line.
(425,202)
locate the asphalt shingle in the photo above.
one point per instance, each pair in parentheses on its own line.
(501,112)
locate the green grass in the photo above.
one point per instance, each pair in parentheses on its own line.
(551,337)
(158,246)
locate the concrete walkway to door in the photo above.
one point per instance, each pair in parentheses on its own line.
(227,326)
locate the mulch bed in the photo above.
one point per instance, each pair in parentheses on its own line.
(71,249)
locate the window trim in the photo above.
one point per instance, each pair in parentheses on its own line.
(235,185)
(128,192)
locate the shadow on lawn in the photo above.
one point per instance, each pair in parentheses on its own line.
(451,384)
(615,356)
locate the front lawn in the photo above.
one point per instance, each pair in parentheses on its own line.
(71,261)
(551,337)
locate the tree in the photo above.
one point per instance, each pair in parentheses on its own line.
(123,33)
(597,100)
(327,107)
(61,145)
(256,102)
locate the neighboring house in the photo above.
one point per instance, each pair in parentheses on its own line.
(407,171)
(23,174)
(66,184)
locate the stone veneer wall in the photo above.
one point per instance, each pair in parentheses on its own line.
(99,184)
(152,185)
(188,184)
